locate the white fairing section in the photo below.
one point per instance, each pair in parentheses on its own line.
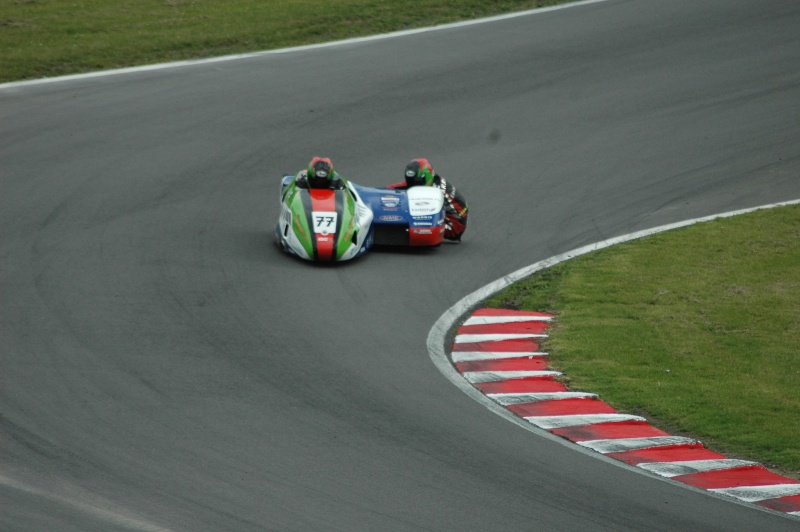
(424,201)
(288,237)
(363,223)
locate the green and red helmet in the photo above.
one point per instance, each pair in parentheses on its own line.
(419,173)
(320,172)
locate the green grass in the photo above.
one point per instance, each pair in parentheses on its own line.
(698,329)
(44,38)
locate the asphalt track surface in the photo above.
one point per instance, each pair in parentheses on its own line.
(165,367)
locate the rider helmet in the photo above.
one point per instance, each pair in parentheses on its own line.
(419,173)
(320,172)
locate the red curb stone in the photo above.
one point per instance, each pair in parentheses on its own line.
(672,453)
(504,364)
(532,327)
(782,504)
(502,346)
(755,475)
(562,407)
(609,431)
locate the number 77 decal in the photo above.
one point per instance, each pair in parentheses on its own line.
(324,222)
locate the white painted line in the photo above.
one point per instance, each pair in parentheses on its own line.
(493,376)
(355,40)
(687,467)
(630,444)
(760,493)
(475,338)
(520,398)
(492,320)
(473,356)
(577,420)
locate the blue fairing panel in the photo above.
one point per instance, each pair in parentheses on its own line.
(389,206)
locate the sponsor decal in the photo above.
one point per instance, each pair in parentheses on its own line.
(390,201)
(423,224)
(348,234)
(423,231)
(298,228)
(392,218)
(423,217)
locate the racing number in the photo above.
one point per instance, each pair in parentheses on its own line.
(324,222)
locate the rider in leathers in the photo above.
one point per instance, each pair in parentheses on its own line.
(420,173)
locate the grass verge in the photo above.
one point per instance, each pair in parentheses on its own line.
(697,329)
(44,38)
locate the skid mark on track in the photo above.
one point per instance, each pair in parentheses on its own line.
(75,498)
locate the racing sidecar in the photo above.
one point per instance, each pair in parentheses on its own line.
(341,224)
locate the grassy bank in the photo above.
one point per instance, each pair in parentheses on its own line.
(698,329)
(43,38)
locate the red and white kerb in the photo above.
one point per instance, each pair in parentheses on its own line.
(497,351)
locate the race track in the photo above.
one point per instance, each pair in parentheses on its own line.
(165,367)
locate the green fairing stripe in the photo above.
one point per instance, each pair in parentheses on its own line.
(344,234)
(300,224)
(308,209)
